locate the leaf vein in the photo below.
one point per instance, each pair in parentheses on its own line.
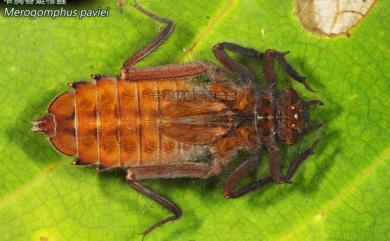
(339,198)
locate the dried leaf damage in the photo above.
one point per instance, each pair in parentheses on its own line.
(332,17)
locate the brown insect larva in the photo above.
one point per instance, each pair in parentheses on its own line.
(165,121)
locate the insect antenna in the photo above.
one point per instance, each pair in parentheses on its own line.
(313,103)
(307,105)
(313,127)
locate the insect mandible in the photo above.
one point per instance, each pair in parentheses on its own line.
(161,122)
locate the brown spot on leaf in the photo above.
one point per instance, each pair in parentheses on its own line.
(332,17)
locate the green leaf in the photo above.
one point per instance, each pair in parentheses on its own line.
(340,193)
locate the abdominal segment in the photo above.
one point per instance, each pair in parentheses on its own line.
(123,123)
(146,122)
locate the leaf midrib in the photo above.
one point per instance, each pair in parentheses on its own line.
(53,167)
(212,23)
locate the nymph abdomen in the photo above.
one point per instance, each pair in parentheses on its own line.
(113,122)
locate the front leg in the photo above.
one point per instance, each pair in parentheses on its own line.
(219,51)
(269,74)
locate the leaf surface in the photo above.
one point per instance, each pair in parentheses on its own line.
(340,193)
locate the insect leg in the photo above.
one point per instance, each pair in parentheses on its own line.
(313,103)
(250,164)
(165,202)
(298,161)
(244,51)
(195,170)
(221,55)
(170,26)
(244,169)
(276,175)
(275,164)
(164,72)
(252,186)
(271,54)
(135,174)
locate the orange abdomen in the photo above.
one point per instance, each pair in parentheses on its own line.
(114,122)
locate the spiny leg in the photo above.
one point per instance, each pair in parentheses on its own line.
(271,54)
(164,72)
(275,163)
(194,170)
(253,186)
(165,202)
(298,161)
(170,26)
(135,174)
(219,51)
(249,166)
(244,51)
(268,180)
(244,169)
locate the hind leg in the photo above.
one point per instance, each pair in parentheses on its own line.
(170,26)
(160,199)
(135,174)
